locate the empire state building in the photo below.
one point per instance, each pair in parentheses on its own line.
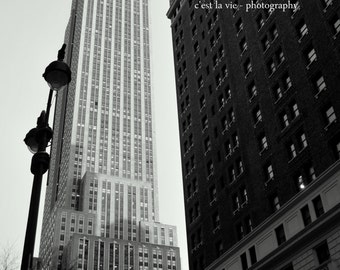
(101,205)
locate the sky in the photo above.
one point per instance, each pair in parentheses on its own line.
(32,32)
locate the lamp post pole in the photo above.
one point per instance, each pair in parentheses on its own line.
(57,74)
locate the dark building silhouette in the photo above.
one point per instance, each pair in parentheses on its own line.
(258,105)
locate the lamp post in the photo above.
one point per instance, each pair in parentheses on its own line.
(57,75)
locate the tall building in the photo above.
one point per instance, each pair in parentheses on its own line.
(258,107)
(101,206)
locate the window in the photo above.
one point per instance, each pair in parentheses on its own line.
(220,101)
(219,248)
(300,183)
(247,67)
(231,115)
(271,67)
(291,150)
(198,64)
(236,203)
(284,120)
(239,167)
(319,83)
(207,144)
(269,172)
(216,221)
(301,136)
(252,254)
(279,56)
(322,252)
(286,82)
(248,224)
(265,43)
(235,140)
(310,55)
(273,32)
(277,92)
(326,3)
(239,25)
(227,148)
(232,174)
(212,193)
(239,231)
(202,102)
(335,25)
(210,168)
(280,235)
(244,261)
(257,116)
(263,144)
(294,109)
(204,122)
(224,123)
(306,215)
(302,29)
(244,195)
(336,149)
(243,45)
(275,203)
(318,207)
(252,92)
(330,115)
(259,22)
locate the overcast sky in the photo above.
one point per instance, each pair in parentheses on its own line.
(32,32)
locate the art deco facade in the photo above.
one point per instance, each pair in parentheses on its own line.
(258,104)
(102,183)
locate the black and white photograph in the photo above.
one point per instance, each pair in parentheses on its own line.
(170,135)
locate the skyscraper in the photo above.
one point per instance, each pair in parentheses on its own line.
(101,206)
(258,103)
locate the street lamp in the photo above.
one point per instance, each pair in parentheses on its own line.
(57,75)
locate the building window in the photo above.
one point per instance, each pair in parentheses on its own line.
(271,67)
(284,120)
(248,224)
(239,231)
(302,29)
(247,67)
(294,109)
(306,215)
(216,221)
(322,252)
(202,102)
(204,122)
(275,203)
(257,116)
(310,55)
(279,56)
(286,82)
(291,150)
(273,32)
(236,203)
(299,182)
(265,43)
(243,45)
(212,193)
(210,168)
(277,93)
(232,174)
(318,207)
(244,261)
(259,22)
(330,115)
(252,254)
(263,144)
(319,83)
(335,25)
(207,144)
(280,235)
(227,148)
(302,140)
(252,91)
(239,25)
(269,172)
